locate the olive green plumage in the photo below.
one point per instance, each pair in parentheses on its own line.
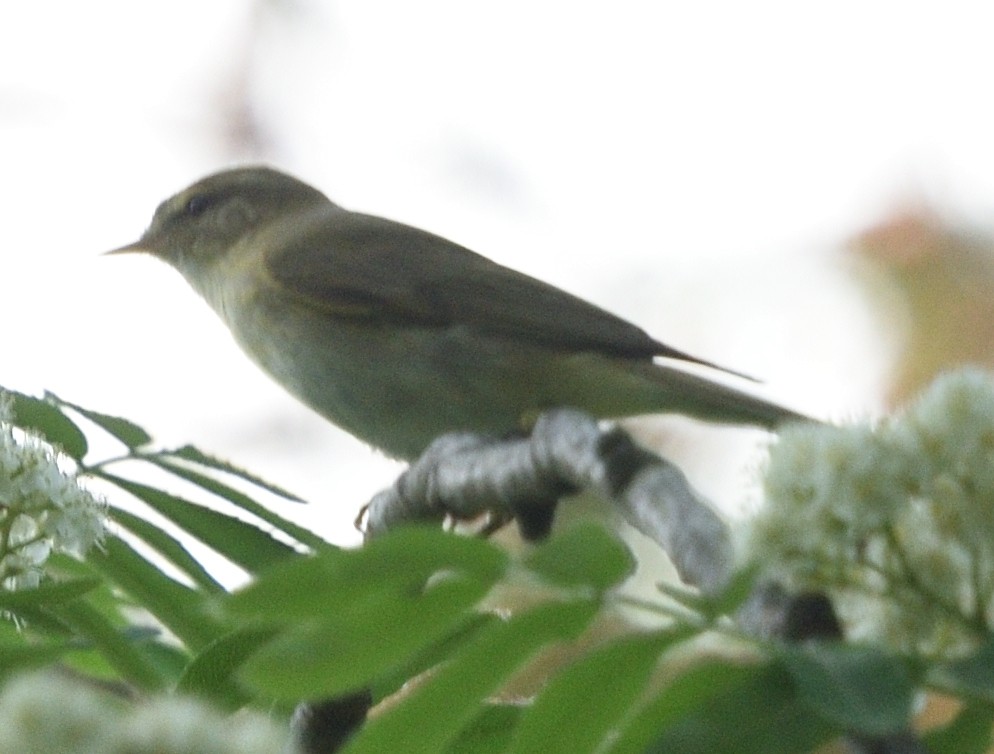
(398,335)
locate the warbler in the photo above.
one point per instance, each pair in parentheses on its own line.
(398,335)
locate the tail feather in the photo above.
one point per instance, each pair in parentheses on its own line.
(611,389)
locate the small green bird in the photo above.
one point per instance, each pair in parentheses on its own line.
(397,335)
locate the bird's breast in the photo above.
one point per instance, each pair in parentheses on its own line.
(396,387)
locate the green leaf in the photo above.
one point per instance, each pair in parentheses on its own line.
(178,607)
(104,598)
(49,421)
(42,621)
(333,580)
(192,454)
(49,592)
(170,659)
(717,708)
(691,599)
(168,547)
(586,555)
(859,689)
(585,703)
(358,616)
(740,587)
(352,649)
(124,430)
(129,657)
(240,499)
(490,732)
(20,655)
(211,675)
(969,733)
(240,542)
(432,716)
(681,700)
(432,655)
(77,635)
(971,676)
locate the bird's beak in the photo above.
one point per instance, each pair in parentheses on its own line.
(138,247)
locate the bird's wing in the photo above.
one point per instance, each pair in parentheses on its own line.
(371,268)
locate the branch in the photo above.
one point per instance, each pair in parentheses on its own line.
(466,475)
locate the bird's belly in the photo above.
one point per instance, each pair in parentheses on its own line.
(394,387)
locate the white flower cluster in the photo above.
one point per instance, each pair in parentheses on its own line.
(895,521)
(52,714)
(43,508)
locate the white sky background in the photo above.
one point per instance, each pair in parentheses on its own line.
(691,166)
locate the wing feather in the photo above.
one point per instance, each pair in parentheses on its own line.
(337,262)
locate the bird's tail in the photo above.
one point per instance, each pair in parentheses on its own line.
(612,388)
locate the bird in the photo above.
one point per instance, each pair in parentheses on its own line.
(398,335)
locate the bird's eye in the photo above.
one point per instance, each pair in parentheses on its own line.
(197,205)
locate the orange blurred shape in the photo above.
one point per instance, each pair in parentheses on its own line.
(933,283)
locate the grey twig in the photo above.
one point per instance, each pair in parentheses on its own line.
(466,475)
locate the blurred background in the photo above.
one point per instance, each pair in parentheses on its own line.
(804,194)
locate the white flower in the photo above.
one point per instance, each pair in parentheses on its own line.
(44,712)
(176,725)
(896,521)
(43,507)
